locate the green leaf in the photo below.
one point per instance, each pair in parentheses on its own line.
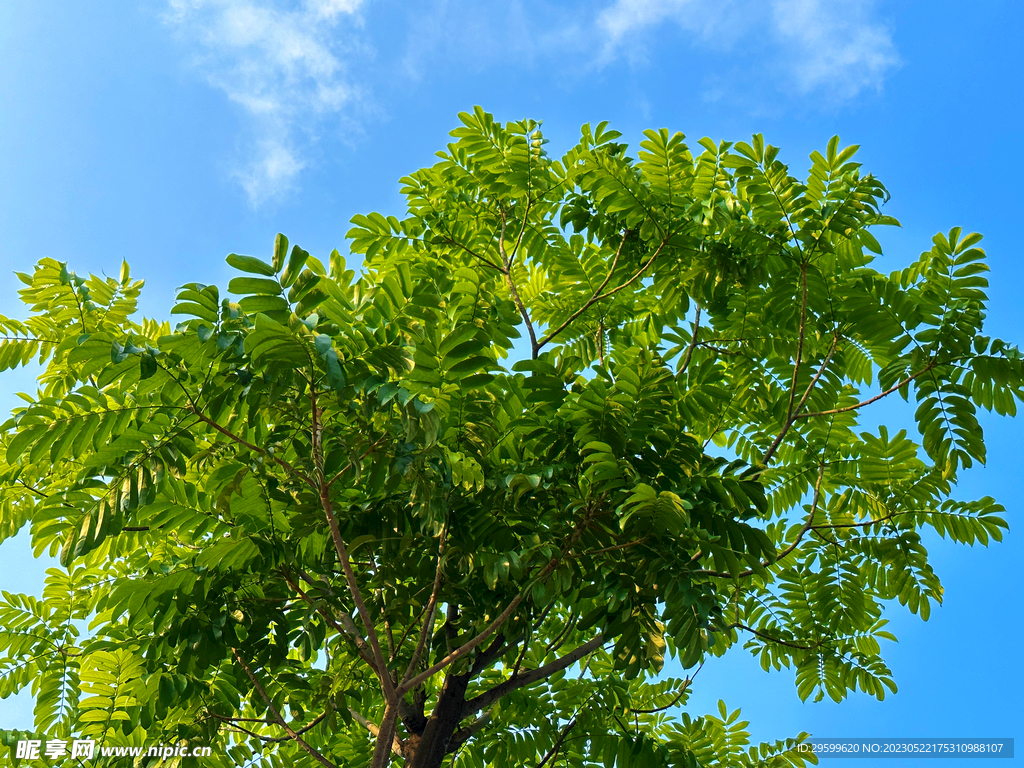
(296,262)
(280,251)
(250,264)
(256,285)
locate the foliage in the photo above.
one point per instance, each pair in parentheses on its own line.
(331,517)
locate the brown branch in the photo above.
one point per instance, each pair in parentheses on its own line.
(411,626)
(502,618)
(597,296)
(515,682)
(675,699)
(800,339)
(308,727)
(465,733)
(506,270)
(397,746)
(519,238)
(462,650)
(236,728)
(865,523)
(786,552)
(34,490)
(771,639)
(522,653)
(794,414)
(876,398)
(242,719)
(276,459)
(349,630)
(493,652)
(348,465)
(452,241)
(277,715)
(493,627)
(428,620)
(386,735)
(627,545)
(233,721)
(559,639)
(346,565)
(551,753)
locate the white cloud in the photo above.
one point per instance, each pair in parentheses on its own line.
(469,34)
(835,47)
(286,68)
(717,22)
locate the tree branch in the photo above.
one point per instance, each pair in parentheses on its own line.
(485,699)
(346,628)
(428,620)
(493,627)
(383,674)
(276,459)
(397,745)
(506,270)
(597,296)
(464,734)
(871,400)
(675,699)
(558,742)
(786,552)
(771,639)
(234,723)
(794,413)
(277,714)
(462,650)
(800,339)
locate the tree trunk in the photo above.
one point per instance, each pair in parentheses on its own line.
(430,748)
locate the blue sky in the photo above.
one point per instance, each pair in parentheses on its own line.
(172,133)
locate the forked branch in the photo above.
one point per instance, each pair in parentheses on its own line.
(387,685)
(597,295)
(871,400)
(277,714)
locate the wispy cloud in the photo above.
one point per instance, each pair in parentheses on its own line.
(286,68)
(834,47)
(469,34)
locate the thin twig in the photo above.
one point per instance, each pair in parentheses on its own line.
(597,296)
(346,564)
(277,714)
(493,627)
(350,631)
(428,620)
(675,699)
(488,697)
(506,269)
(771,639)
(800,338)
(871,400)
(397,746)
(794,414)
(784,553)
(276,459)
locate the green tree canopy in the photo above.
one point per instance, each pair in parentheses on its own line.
(340,521)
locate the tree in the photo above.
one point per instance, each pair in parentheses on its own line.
(330,523)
